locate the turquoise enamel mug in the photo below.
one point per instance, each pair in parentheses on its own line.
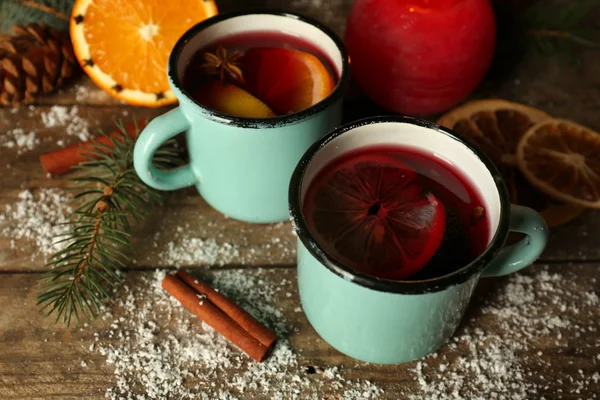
(241,166)
(395,321)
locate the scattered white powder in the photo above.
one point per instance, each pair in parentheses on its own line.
(36,217)
(160,351)
(486,358)
(87,94)
(17,138)
(210,245)
(57,116)
(68,117)
(196,251)
(81,93)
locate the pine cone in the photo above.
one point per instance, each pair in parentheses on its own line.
(35,60)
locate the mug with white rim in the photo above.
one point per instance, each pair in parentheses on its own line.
(241,166)
(395,321)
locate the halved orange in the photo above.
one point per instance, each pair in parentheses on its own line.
(562,160)
(496,127)
(287,80)
(124,45)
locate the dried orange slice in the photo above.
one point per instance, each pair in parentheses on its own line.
(562,160)
(124,45)
(496,127)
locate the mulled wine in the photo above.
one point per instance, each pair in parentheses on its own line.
(396,212)
(259,74)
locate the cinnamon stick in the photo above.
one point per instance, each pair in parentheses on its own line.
(61,161)
(263,334)
(212,314)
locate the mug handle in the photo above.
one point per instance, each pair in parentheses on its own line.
(527,250)
(158,131)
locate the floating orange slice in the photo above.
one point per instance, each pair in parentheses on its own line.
(371,212)
(231,99)
(496,127)
(287,80)
(124,45)
(562,160)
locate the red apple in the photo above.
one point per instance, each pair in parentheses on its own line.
(420,57)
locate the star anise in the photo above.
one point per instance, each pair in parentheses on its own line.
(223,64)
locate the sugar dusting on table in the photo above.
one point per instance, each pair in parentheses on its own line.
(69,118)
(486,358)
(36,219)
(160,351)
(197,251)
(206,244)
(19,140)
(85,93)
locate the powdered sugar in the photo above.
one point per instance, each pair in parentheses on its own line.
(487,358)
(86,93)
(35,217)
(164,352)
(57,116)
(82,93)
(17,139)
(159,350)
(68,117)
(65,117)
(197,251)
(206,243)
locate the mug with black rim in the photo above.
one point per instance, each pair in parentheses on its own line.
(395,321)
(241,166)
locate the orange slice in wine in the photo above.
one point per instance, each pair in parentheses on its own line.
(562,160)
(124,45)
(231,99)
(371,213)
(287,80)
(497,127)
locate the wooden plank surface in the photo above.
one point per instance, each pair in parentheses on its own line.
(556,86)
(187,217)
(555,346)
(531,336)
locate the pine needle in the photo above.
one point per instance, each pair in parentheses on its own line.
(43,7)
(552,28)
(18,12)
(96,247)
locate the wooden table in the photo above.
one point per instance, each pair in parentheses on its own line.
(530,336)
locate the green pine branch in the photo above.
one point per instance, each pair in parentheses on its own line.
(556,27)
(22,12)
(97,247)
